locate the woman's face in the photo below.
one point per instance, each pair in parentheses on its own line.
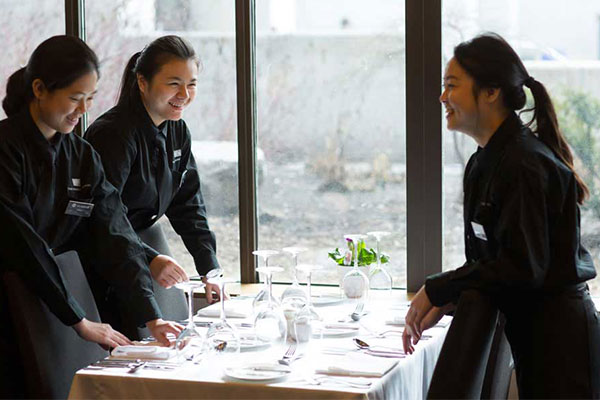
(461,107)
(61,109)
(170,91)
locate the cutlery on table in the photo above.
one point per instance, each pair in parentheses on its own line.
(288,357)
(357,313)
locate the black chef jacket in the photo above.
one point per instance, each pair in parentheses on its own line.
(39,179)
(521,222)
(155,171)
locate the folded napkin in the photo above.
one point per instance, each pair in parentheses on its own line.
(357,364)
(341,326)
(233,309)
(143,352)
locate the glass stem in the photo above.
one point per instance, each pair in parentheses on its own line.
(270,286)
(309,290)
(378,256)
(355,251)
(296,281)
(222,287)
(190,312)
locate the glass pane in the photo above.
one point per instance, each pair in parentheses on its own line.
(331,128)
(117,29)
(16,21)
(568,65)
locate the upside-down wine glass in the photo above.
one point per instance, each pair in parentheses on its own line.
(190,339)
(262,296)
(270,324)
(307,320)
(293,296)
(379,278)
(355,282)
(222,338)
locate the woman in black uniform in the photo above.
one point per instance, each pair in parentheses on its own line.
(521,222)
(145,147)
(54,188)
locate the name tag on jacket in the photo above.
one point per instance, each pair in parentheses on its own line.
(479,231)
(79,208)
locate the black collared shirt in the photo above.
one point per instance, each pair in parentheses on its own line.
(154,170)
(39,179)
(521,222)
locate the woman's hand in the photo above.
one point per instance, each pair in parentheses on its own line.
(103,334)
(419,308)
(210,289)
(160,328)
(166,271)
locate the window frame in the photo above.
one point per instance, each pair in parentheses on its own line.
(424,169)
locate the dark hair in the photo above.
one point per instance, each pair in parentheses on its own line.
(492,63)
(58,62)
(149,61)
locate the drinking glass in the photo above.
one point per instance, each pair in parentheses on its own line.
(262,296)
(307,321)
(270,324)
(355,282)
(293,297)
(221,338)
(190,339)
(379,278)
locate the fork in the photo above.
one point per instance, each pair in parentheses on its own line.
(289,355)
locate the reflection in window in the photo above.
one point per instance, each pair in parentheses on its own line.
(23,26)
(331,126)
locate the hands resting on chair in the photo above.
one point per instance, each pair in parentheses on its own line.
(421,316)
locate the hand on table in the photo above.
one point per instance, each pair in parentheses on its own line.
(166,271)
(160,328)
(419,308)
(100,333)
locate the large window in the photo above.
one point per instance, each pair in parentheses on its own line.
(116,30)
(567,64)
(23,26)
(331,128)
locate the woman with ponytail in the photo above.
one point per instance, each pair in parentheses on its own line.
(521,224)
(55,194)
(146,149)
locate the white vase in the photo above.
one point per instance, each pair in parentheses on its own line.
(354,287)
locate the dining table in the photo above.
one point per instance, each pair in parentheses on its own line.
(331,364)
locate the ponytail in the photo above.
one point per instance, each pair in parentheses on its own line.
(549,133)
(129,88)
(493,63)
(149,61)
(18,93)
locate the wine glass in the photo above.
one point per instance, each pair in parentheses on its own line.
(270,324)
(262,295)
(293,296)
(307,320)
(379,278)
(190,338)
(355,282)
(222,337)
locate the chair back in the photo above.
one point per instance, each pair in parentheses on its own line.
(51,352)
(461,367)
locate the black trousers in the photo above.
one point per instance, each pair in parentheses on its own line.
(172,302)
(555,341)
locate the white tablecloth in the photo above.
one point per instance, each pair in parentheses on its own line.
(409,379)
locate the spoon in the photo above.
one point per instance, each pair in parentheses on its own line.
(361,344)
(357,313)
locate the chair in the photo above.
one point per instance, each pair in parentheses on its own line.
(473,361)
(51,352)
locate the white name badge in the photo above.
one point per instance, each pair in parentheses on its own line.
(79,208)
(479,231)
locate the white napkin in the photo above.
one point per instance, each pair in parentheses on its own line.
(357,364)
(143,352)
(233,309)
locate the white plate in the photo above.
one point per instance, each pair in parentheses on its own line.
(322,301)
(258,372)
(249,342)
